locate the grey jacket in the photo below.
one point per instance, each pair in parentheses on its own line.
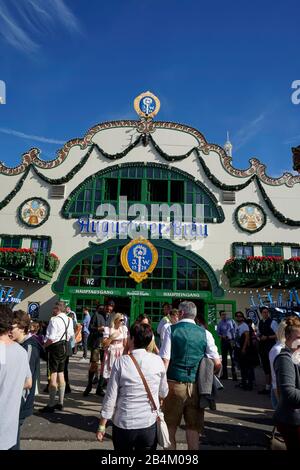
(208,384)
(288,386)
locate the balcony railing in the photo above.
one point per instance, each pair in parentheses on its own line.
(255,271)
(26,262)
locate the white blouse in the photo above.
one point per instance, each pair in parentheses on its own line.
(126,400)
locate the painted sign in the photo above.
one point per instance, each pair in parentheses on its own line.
(7,295)
(140,293)
(250,217)
(33,310)
(34,212)
(139,257)
(122,230)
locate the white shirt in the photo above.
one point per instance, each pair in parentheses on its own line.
(211,348)
(162,322)
(126,401)
(57,328)
(240,330)
(14,370)
(163,330)
(75,316)
(272,355)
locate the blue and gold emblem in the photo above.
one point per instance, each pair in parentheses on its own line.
(139,257)
(146,105)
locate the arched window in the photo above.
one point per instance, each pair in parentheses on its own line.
(173,272)
(141,183)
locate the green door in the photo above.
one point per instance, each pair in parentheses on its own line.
(153,308)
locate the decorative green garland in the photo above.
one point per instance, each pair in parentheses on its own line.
(17,188)
(30,199)
(119,155)
(77,168)
(248,204)
(208,173)
(169,158)
(279,216)
(69,175)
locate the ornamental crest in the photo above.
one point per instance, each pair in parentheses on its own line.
(34,212)
(250,217)
(146,105)
(139,257)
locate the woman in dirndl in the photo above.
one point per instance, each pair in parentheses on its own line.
(114,342)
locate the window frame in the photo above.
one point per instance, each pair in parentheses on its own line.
(19,239)
(266,247)
(194,192)
(298,250)
(110,276)
(244,256)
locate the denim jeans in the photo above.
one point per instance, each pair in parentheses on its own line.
(274,400)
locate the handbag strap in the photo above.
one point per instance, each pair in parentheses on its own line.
(144,382)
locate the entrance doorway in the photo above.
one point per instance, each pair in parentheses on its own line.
(122,304)
(96,274)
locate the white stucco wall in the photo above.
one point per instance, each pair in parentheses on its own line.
(215,249)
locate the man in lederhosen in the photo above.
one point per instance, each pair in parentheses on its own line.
(59,331)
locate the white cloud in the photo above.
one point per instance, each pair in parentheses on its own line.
(24,23)
(36,138)
(293,140)
(14,34)
(248,131)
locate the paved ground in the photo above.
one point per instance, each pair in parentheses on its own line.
(243,419)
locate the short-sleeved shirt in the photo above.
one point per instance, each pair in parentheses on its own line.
(14,370)
(240,330)
(56,330)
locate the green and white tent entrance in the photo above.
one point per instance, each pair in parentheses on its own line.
(96,274)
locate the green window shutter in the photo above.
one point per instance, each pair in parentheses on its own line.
(11,242)
(272,250)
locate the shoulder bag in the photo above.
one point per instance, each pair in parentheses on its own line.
(162,428)
(68,343)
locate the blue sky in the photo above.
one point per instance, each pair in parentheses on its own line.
(217,65)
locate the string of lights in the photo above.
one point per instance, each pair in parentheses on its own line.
(12,275)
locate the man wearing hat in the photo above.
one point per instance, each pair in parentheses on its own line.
(101,318)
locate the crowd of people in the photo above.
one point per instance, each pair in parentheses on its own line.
(128,364)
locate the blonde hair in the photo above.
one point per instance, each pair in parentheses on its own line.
(292,324)
(116,317)
(280,333)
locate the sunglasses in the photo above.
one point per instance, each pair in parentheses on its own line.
(122,319)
